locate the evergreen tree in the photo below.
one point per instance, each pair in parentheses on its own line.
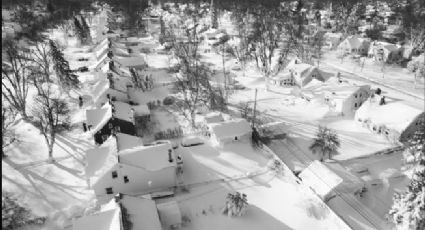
(50,7)
(408,209)
(86,30)
(326,143)
(66,78)
(79,30)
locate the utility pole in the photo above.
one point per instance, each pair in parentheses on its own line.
(255,108)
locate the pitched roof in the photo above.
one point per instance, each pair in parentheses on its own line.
(143,213)
(97,118)
(131,61)
(214,117)
(107,220)
(170,213)
(126,141)
(320,178)
(141,110)
(101,159)
(230,128)
(151,158)
(123,111)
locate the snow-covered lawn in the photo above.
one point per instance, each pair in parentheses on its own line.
(56,190)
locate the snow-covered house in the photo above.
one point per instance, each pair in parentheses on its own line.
(142,213)
(332,39)
(108,47)
(303,73)
(112,117)
(113,89)
(283,79)
(395,120)
(329,179)
(139,170)
(213,117)
(384,51)
(345,99)
(229,131)
(354,45)
(137,62)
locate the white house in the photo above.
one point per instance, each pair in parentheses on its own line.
(345,99)
(384,51)
(395,120)
(229,131)
(142,213)
(137,62)
(139,170)
(329,179)
(109,46)
(213,117)
(114,89)
(296,74)
(354,45)
(332,40)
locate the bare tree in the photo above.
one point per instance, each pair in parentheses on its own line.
(43,60)
(15,77)
(51,114)
(8,116)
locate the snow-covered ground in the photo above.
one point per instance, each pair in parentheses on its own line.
(394,76)
(275,202)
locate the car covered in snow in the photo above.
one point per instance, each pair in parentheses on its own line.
(191,141)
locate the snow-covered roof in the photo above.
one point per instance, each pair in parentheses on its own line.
(282,76)
(137,61)
(123,111)
(169,213)
(396,115)
(107,220)
(214,117)
(143,213)
(97,118)
(231,128)
(151,158)
(126,141)
(320,178)
(101,159)
(141,110)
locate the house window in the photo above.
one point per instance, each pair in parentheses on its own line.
(114,174)
(360,95)
(117,129)
(109,190)
(386,133)
(126,179)
(355,95)
(110,125)
(355,105)
(104,137)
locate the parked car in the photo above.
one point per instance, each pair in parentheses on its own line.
(191,141)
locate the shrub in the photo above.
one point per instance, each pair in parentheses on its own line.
(168,100)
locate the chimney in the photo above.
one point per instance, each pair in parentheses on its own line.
(170,158)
